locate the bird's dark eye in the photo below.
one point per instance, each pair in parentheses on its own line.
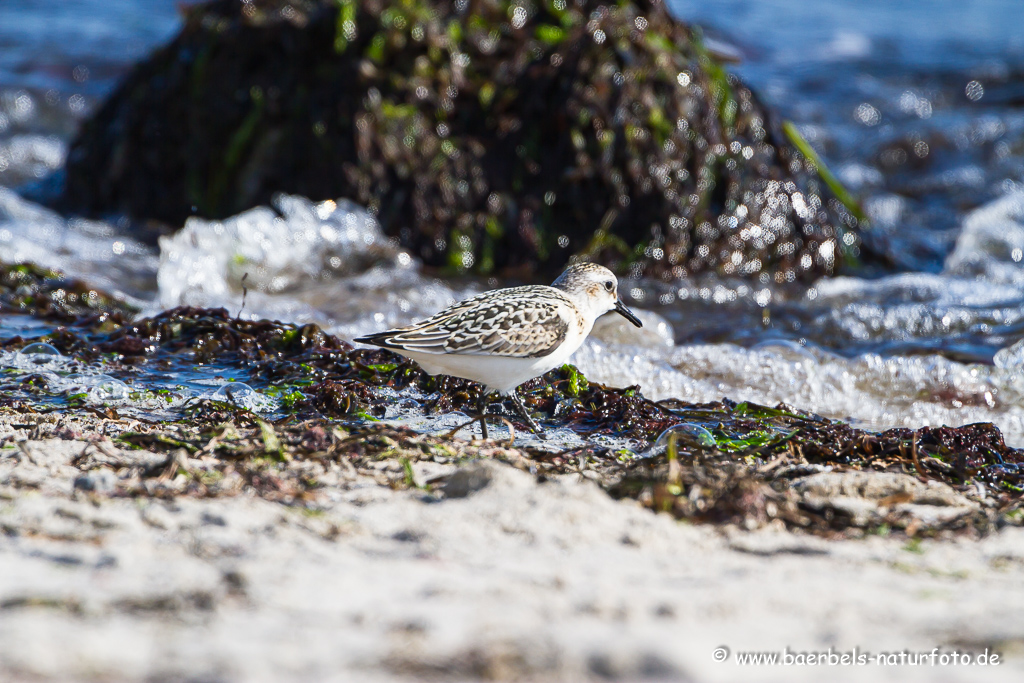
(609,285)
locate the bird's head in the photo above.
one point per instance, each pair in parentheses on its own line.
(595,287)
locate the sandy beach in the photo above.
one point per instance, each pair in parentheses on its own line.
(492,575)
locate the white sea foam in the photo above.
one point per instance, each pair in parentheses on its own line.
(61,375)
(92,250)
(991,243)
(980,285)
(301,261)
(871,390)
(30,156)
(329,263)
(276,250)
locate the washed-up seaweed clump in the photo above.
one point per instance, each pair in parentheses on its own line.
(225,450)
(323,375)
(741,470)
(717,462)
(492,136)
(28,289)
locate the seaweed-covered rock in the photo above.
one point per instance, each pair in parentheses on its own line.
(27,289)
(487,135)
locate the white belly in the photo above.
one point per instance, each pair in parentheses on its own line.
(497,373)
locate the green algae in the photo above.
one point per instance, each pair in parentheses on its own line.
(838,189)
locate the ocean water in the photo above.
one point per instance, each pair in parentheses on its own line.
(918,107)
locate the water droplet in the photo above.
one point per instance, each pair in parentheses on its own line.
(39,355)
(974,91)
(686,433)
(107,389)
(234,392)
(40,349)
(76,383)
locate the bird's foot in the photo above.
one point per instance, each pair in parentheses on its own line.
(482,419)
(525,414)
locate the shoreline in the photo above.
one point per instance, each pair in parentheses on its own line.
(492,574)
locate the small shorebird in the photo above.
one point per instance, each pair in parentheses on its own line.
(505,337)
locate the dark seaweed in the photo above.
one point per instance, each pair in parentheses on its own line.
(747,453)
(28,289)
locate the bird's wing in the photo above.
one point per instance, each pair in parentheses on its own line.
(521,322)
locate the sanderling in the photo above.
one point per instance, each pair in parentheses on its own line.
(505,337)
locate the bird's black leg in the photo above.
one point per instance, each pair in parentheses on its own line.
(481,408)
(521,409)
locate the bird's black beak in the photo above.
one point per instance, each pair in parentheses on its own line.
(621,309)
